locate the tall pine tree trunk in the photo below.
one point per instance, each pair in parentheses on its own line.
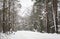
(47,20)
(13,16)
(9,16)
(55,15)
(4,16)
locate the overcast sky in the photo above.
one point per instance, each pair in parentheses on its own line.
(25,4)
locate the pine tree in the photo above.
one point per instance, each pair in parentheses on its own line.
(55,15)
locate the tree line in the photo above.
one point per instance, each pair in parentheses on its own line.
(45,16)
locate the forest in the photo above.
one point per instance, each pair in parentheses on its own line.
(41,16)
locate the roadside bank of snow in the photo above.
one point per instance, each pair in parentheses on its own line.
(34,35)
(29,35)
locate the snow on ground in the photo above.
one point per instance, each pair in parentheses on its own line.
(29,35)
(4,36)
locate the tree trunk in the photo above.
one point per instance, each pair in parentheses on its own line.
(9,26)
(4,25)
(55,15)
(47,20)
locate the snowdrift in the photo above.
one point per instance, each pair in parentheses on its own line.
(29,35)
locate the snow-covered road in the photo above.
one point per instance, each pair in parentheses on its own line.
(30,35)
